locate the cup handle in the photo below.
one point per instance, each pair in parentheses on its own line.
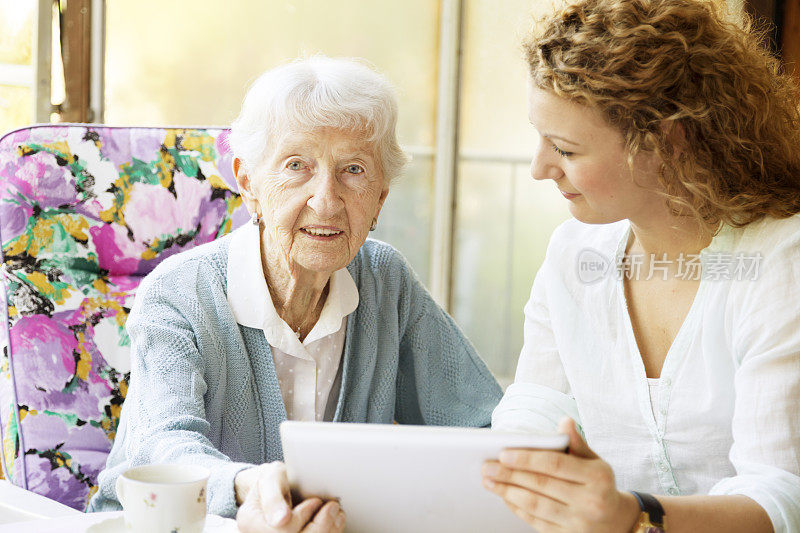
(118,487)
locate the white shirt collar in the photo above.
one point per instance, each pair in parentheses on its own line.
(252,305)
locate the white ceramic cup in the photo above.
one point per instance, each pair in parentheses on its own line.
(164,498)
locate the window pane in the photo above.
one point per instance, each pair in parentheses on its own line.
(16,107)
(503,218)
(503,224)
(190,63)
(16,31)
(406,216)
(493,114)
(481,268)
(196,71)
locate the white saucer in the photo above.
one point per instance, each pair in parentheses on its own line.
(214,524)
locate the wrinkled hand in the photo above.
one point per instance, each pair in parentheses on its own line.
(266,505)
(555,492)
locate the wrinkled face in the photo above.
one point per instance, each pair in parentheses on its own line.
(587,160)
(317,192)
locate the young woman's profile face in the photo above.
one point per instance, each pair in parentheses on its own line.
(587,160)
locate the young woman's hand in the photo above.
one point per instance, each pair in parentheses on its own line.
(555,491)
(266,505)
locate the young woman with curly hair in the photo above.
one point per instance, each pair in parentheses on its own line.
(663,331)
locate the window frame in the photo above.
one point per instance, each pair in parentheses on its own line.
(35,76)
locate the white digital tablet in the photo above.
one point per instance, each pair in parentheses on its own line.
(405,479)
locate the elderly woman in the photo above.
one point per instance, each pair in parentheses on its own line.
(297,315)
(675,139)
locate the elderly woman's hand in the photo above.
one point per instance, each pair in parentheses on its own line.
(554,491)
(266,507)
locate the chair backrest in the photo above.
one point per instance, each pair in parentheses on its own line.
(86,212)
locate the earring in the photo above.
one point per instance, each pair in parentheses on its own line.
(374,224)
(255,219)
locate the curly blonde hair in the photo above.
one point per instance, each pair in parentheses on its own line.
(648,65)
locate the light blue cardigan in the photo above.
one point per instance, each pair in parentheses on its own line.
(203,388)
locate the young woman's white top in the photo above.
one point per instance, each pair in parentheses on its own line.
(727,412)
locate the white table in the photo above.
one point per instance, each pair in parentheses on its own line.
(76,523)
(18,505)
(28,512)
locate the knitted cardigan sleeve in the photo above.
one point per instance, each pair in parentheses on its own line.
(441,379)
(166,412)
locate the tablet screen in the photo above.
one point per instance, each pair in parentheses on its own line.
(395,478)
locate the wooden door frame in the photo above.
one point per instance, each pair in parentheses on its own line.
(783,17)
(790,42)
(768,12)
(76,45)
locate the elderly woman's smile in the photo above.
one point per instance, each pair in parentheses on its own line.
(321,233)
(318,191)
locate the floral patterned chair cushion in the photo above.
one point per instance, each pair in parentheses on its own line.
(85,212)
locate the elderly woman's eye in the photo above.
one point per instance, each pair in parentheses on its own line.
(294,165)
(354,169)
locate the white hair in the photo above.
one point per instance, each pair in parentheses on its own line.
(317,92)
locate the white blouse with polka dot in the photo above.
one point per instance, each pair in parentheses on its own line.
(308,371)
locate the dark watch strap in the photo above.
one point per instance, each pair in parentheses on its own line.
(650,505)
